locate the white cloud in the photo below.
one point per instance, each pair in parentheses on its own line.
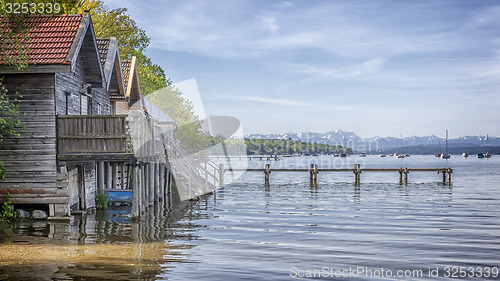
(280,102)
(351,71)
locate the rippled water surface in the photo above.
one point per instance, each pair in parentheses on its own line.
(249,231)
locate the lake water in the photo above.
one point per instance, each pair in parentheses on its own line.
(247,231)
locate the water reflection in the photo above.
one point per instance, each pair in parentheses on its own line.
(105,245)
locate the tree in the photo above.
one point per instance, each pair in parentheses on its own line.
(132,41)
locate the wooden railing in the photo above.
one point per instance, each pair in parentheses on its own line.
(92,134)
(135,137)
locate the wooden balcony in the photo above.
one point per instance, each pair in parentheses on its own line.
(83,138)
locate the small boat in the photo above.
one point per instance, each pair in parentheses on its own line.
(480,155)
(400,156)
(407,155)
(343,155)
(382,155)
(362,154)
(119,195)
(287,155)
(487,155)
(465,154)
(315,154)
(445,156)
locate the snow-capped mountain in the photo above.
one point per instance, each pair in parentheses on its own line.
(350,139)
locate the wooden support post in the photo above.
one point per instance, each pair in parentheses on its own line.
(267,171)
(114,169)
(406,175)
(221,175)
(313,175)
(140,187)
(161,182)
(143,186)
(134,182)
(449,175)
(100,175)
(444,176)
(151,170)
(156,182)
(400,176)
(357,174)
(122,176)
(109,182)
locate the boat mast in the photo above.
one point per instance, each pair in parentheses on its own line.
(446,142)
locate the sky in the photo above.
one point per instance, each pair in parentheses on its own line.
(377,68)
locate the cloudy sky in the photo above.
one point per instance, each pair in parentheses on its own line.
(378,68)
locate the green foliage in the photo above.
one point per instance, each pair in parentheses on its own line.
(2,171)
(101,199)
(15,40)
(278,146)
(9,118)
(9,113)
(6,212)
(132,41)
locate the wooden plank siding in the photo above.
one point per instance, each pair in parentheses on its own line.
(30,160)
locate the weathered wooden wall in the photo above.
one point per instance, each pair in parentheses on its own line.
(121,107)
(30,160)
(72,84)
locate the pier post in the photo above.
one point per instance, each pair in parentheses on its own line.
(357,174)
(449,175)
(444,175)
(134,179)
(267,171)
(400,171)
(221,175)
(313,175)
(406,175)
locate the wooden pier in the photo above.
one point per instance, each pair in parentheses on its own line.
(357,170)
(243,157)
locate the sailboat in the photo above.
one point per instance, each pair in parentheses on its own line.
(446,155)
(487,153)
(465,154)
(438,154)
(400,155)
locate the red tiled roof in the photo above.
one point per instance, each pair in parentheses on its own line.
(126,65)
(51,37)
(103,46)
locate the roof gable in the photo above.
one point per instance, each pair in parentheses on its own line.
(110,60)
(131,81)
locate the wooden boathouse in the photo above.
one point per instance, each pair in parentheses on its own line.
(86,128)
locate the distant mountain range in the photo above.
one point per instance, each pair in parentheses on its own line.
(426,144)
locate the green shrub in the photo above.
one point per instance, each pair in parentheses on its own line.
(6,212)
(101,199)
